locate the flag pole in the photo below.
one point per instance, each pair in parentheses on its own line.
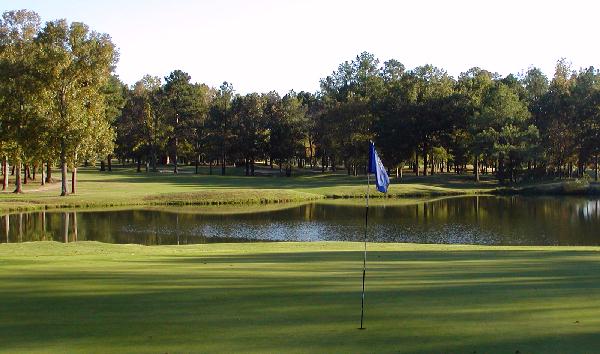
(382,181)
(362,302)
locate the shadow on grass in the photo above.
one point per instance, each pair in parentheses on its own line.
(452,301)
(217,181)
(445,180)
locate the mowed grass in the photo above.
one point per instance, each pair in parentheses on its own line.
(123,187)
(298,297)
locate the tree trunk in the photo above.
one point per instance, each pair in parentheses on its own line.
(176,141)
(596,169)
(25,168)
(102,166)
(512,170)
(63,169)
(139,165)
(476,165)
(252,166)
(500,169)
(247,166)
(210,166)
(74,180)
(310,154)
(197,162)
(223,163)
(49,173)
(424,162)
(42,172)
(154,160)
(416,167)
(4,174)
(18,186)
(175,166)
(109,162)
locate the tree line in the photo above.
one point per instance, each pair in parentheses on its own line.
(61,103)
(54,96)
(517,127)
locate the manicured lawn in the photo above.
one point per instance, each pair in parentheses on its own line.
(126,187)
(298,297)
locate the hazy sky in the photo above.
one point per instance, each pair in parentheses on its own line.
(265,45)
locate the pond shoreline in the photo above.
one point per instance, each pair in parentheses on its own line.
(123,189)
(199,200)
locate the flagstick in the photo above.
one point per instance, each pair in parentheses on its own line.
(362,302)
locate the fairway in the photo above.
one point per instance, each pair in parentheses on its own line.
(125,187)
(298,297)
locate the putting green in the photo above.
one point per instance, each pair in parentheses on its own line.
(298,297)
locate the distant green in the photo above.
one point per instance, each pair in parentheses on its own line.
(298,297)
(126,187)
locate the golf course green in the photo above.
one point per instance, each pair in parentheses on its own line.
(125,187)
(298,297)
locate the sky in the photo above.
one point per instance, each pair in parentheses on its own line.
(265,45)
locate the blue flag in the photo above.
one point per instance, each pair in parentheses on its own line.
(382,181)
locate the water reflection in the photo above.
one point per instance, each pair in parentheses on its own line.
(464,220)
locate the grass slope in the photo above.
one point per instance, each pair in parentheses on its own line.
(126,187)
(298,297)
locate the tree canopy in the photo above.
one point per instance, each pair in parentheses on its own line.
(60,103)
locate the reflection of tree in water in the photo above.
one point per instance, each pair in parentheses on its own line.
(589,210)
(474,220)
(6,228)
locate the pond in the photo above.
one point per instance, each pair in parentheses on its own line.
(484,220)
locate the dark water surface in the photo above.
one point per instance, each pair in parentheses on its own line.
(485,220)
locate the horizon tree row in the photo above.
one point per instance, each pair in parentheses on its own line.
(60,103)
(517,127)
